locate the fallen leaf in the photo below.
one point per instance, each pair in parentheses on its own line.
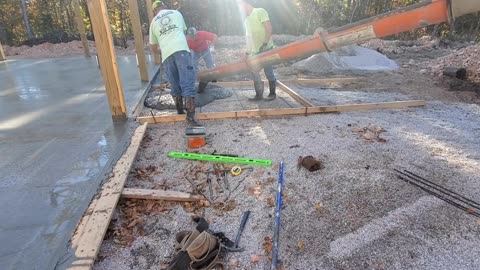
(270,202)
(233,263)
(267,245)
(255,259)
(301,245)
(254,191)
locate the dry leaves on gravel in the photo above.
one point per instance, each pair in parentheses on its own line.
(371,133)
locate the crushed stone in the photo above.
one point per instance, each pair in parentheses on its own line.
(353,214)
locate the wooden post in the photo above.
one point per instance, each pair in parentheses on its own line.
(107,57)
(2,54)
(137,33)
(81,26)
(149,4)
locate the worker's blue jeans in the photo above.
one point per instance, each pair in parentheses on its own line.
(205,55)
(181,74)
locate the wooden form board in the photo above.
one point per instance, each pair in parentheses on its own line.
(285,112)
(137,34)
(2,53)
(148,4)
(81,26)
(305,102)
(164,195)
(92,228)
(107,57)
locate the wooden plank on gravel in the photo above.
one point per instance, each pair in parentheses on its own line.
(286,112)
(367,106)
(163,195)
(305,102)
(89,234)
(314,82)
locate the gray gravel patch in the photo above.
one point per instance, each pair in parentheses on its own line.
(353,214)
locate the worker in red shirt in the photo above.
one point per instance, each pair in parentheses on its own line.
(201,44)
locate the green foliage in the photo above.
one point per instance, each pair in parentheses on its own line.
(53,20)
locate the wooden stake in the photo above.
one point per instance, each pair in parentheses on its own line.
(89,234)
(2,54)
(81,27)
(107,58)
(305,102)
(137,33)
(149,3)
(163,195)
(285,112)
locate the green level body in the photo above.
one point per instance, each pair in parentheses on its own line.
(221,159)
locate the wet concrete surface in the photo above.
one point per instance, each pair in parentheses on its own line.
(57,143)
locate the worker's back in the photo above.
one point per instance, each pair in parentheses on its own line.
(168,31)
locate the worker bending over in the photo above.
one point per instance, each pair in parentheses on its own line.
(167,31)
(259,39)
(201,44)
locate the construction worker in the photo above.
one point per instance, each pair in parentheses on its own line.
(259,39)
(167,33)
(201,44)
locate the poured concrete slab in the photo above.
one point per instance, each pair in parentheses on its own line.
(57,142)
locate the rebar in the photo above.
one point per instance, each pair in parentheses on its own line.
(442,193)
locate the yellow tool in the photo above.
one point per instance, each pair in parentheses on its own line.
(236,170)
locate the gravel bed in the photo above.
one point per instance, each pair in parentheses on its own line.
(353,214)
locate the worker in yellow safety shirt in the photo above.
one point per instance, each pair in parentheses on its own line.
(259,39)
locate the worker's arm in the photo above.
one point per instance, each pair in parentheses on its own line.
(155,48)
(214,40)
(268,31)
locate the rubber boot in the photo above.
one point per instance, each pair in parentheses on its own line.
(259,88)
(190,106)
(201,87)
(273,87)
(179,105)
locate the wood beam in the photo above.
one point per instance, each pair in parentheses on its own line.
(81,27)
(163,195)
(149,3)
(2,53)
(137,34)
(107,58)
(285,112)
(305,102)
(89,234)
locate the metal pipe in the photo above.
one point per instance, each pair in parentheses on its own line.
(276,229)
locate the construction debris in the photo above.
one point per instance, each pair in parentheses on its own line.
(310,163)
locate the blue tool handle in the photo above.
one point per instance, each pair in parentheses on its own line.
(276,229)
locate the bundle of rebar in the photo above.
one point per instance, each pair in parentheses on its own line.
(442,193)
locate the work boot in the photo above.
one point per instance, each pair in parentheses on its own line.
(273,87)
(201,87)
(190,106)
(259,87)
(179,105)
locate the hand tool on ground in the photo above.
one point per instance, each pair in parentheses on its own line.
(237,170)
(225,180)
(220,159)
(276,229)
(210,189)
(245,216)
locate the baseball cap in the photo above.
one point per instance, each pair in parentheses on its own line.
(157,4)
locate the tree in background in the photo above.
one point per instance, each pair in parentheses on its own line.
(40,21)
(26,19)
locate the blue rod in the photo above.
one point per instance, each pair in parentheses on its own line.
(276,229)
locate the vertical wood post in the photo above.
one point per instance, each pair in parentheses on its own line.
(137,33)
(107,57)
(81,26)
(2,54)
(149,4)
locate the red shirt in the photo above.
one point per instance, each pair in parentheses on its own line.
(200,44)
